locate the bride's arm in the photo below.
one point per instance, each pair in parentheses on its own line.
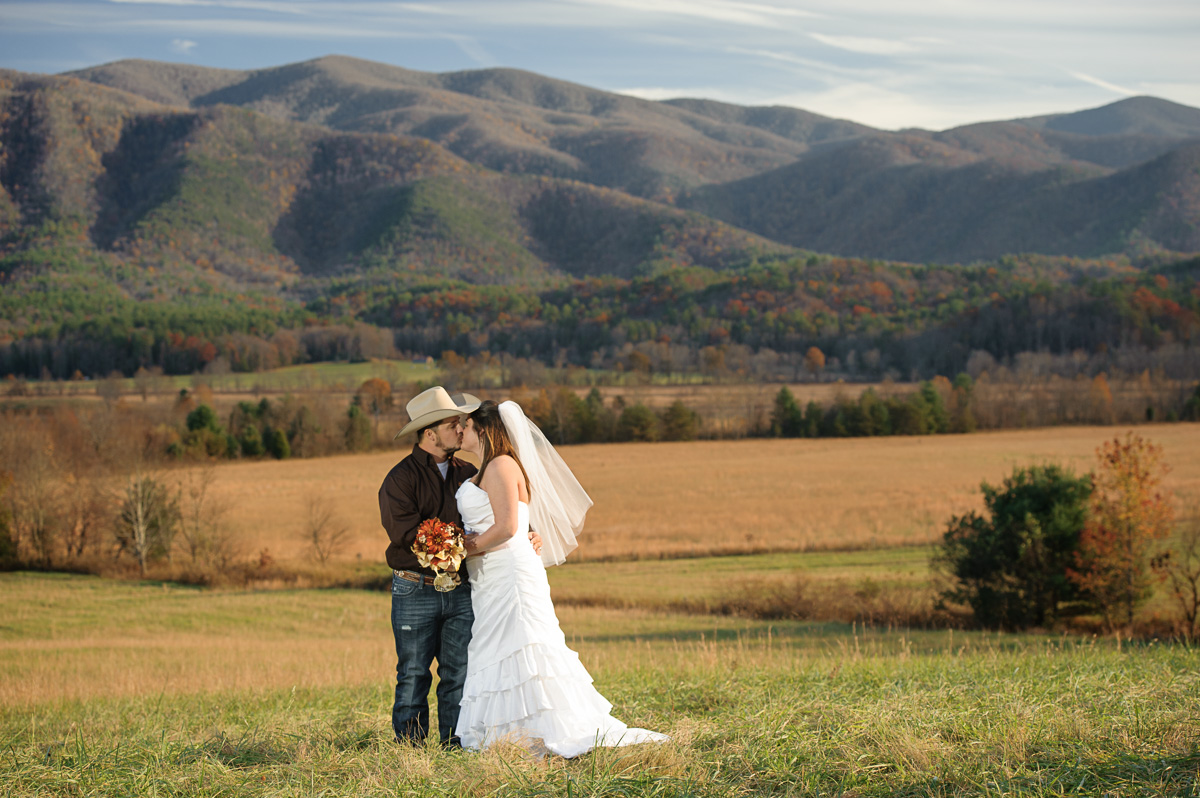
(502,486)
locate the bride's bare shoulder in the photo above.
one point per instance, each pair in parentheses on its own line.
(504,466)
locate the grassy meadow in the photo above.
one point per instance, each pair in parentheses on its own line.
(111,687)
(118,689)
(665,500)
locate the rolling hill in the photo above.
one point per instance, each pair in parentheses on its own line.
(174,216)
(798,178)
(503,119)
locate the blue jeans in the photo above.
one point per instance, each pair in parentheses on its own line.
(429,624)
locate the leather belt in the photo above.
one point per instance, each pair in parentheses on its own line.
(414,577)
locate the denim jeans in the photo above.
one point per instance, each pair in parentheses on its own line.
(429,624)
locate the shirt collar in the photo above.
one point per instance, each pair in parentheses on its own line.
(426,459)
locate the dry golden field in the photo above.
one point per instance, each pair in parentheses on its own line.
(707,497)
(72,638)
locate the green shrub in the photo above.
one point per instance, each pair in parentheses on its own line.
(680,423)
(1191,408)
(358,430)
(638,423)
(1010,564)
(277,444)
(201,418)
(251,441)
(787,421)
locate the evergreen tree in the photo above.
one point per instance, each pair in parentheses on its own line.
(680,423)
(277,445)
(358,430)
(787,421)
(814,415)
(251,442)
(1010,565)
(936,414)
(638,423)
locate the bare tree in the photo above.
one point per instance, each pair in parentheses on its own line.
(147,380)
(204,523)
(86,511)
(8,547)
(86,440)
(36,498)
(1179,566)
(149,519)
(325,532)
(109,388)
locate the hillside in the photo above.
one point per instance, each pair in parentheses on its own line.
(257,199)
(135,233)
(795,177)
(922,199)
(504,119)
(1148,116)
(118,215)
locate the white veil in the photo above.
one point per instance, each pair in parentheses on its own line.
(557,502)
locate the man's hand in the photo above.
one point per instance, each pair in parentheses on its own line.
(536,540)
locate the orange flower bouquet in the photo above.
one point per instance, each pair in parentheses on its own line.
(440,546)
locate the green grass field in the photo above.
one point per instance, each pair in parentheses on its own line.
(330,376)
(344,376)
(662,584)
(124,689)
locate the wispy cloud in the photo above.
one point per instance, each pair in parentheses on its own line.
(1104,84)
(242,5)
(719,93)
(865,44)
(720,11)
(889,63)
(474,50)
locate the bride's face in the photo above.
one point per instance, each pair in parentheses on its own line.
(470,437)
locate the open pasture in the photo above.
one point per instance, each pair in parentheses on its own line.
(664,500)
(118,689)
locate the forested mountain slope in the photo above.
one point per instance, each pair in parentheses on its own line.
(182,217)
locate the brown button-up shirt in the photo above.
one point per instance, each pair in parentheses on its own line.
(412,492)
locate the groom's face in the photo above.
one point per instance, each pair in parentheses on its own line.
(448,436)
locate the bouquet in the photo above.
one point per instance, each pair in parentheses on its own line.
(440,546)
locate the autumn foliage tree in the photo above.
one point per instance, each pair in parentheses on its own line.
(1128,515)
(374,396)
(814,361)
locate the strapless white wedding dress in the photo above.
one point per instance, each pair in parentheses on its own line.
(523,683)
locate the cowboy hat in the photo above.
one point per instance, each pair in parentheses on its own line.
(434,405)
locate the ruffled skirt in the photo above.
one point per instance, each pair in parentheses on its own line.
(523,683)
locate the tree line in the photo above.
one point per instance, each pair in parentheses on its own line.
(871,320)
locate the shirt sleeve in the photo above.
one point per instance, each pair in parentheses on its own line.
(398,508)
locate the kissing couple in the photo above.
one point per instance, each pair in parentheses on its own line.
(504,669)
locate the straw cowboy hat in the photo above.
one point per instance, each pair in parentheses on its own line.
(434,405)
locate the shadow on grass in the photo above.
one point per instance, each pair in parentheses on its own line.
(259,748)
(247,751)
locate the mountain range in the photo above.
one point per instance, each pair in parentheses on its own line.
(1094,182)
(161,197)
(499,175)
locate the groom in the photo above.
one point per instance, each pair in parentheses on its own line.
(428,624)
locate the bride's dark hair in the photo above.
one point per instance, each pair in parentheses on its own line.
(493,439)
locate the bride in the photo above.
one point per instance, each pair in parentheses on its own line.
(523,683)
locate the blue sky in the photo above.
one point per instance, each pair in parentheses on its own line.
(886,63)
